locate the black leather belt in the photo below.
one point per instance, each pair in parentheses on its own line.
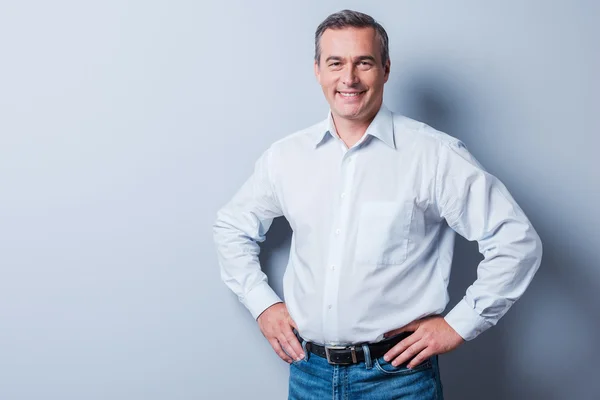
(353,354)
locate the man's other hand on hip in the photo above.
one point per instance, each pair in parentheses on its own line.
(431,336)
(276,325)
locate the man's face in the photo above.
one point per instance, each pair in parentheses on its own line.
(351,73)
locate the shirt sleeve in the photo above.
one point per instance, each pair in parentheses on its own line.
(478,206)
(240,225)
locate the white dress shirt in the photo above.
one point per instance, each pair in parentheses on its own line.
(373,231)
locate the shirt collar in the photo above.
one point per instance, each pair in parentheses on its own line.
(382,127)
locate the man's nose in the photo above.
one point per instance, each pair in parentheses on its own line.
(350,78)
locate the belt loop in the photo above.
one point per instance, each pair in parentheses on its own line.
(304,349)
(367,354)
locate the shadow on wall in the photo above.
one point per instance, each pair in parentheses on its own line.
(542,347)
(545,346)
(274,253)
(475,370)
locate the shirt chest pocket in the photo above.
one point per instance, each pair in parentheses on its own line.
(383,232)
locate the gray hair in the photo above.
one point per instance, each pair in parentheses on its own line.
(355,19)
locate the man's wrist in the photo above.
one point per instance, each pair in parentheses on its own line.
(263,311)
(466,321)
(259,299)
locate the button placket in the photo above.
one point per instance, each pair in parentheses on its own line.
(335,260)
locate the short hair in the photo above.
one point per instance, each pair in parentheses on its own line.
(355,19)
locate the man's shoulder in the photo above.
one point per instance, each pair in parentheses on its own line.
(412,130)
(303,137)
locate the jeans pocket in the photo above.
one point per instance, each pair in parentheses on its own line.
(387,368)
(297,362)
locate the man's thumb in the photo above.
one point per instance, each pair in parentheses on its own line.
(410,327)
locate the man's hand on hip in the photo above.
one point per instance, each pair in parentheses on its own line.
(431,336)
(276,325)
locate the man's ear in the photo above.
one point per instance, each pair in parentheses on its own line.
(317,72)
(386,70)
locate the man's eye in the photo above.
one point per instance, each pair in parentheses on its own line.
(334,64)
(365,63)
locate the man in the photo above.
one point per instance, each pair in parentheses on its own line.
(374,200)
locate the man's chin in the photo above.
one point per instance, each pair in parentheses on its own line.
(348,112)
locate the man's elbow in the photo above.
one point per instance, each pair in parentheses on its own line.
(536,249)
(539,250)
(220,226)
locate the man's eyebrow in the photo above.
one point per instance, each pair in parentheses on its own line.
(362,58)
(359,58)
(333,58)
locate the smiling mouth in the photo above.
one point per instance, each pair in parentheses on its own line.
(350,94)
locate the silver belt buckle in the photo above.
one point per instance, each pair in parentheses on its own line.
(352,352)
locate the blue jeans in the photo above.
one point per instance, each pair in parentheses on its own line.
(313,378)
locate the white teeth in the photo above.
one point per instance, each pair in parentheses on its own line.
(349,94)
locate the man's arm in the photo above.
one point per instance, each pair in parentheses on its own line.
(478,207)
(240,225)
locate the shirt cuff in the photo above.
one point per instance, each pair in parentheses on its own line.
(260,298)
(466,321)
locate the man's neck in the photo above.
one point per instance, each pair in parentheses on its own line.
(350,131)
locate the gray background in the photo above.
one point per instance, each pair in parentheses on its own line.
(125,125)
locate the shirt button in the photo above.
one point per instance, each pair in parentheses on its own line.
(333,267)
(329,306)
(343,195)
(337,231)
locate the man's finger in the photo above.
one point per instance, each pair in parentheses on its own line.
(401,346)
(409,353)
(420,358)
(293,323)
(277,347)
(286,345)
(294,343)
